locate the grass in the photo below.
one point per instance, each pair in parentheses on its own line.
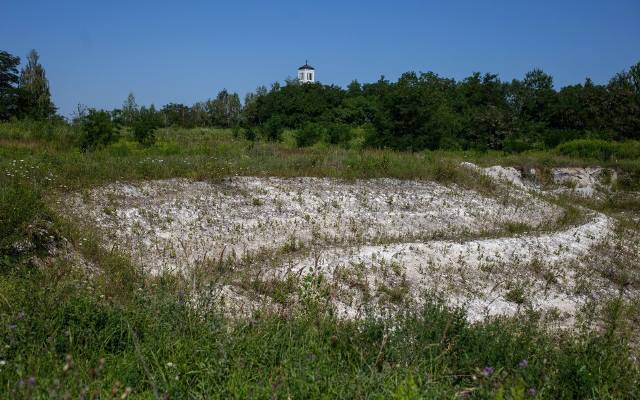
(108,331)
(74,340)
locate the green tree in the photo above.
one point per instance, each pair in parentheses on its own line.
(145,125)
(623,111)
(8,85)
(273,128)
(130,110)
(224,110)
(484,111)
(35,97)
(415,113)
(98,130)
(177,115)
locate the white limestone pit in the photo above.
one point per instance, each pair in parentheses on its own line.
(375,242)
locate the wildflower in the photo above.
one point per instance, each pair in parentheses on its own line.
(532,392)
(3,363)
(126,393)
(487,371)
(31,381)
(523,364)
(170,365)
(68,363)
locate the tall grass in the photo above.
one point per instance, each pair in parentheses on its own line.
(601,150)
(64,338)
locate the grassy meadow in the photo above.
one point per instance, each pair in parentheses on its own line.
(105,330)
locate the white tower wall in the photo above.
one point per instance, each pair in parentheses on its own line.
(306,75)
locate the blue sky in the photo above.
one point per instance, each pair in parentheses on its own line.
(95,53)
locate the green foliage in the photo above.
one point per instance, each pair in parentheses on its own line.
(224,110)
(19,208)
(600,150)
(8,85)
(480,112)
(273,129)
(145,125)
(250,134)
(309,134)
(326,132)
(34,96)
(62,338)
(55,131)
(177,115)
(130,111)
(98,130)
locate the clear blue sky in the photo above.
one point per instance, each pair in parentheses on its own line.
(95,53)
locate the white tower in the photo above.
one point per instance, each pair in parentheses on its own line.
(306,73)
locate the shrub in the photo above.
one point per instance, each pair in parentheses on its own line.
(329,132)
(273,128)
(98,130)
(144,127)
(309,134)
(338,133)
(250,134)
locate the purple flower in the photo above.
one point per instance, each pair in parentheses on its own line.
(31,381)
(487,371)
(523,364)
(532,392)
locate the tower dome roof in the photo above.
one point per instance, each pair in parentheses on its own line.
(306,66)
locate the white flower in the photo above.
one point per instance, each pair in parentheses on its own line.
(3,362)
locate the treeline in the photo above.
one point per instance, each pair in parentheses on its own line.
(426,111)
(418,111)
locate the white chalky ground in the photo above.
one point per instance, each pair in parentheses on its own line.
(435,238)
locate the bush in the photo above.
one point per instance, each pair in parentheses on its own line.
(516,145)
(98,130)
(309,134)
(250,134)
(338,133)
(273,129)
(144,127)
(329,132)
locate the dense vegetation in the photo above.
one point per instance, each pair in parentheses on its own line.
(418,111)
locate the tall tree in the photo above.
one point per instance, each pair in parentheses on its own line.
(624,104)
(130,110)
(8,85)
(34,89)
(224,110)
